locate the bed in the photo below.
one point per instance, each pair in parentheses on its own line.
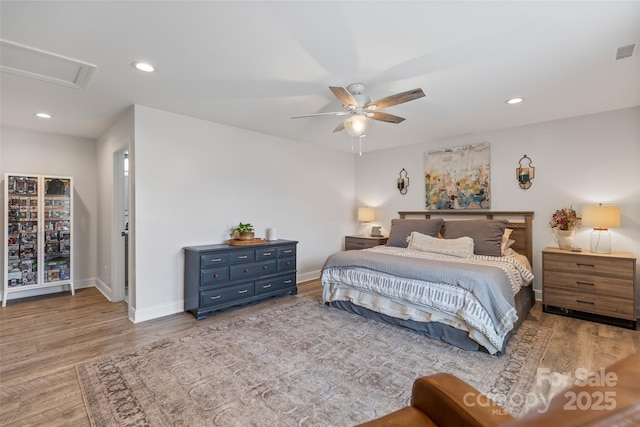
(462,277)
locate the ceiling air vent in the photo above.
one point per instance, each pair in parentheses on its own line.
(28,61)
(625,51)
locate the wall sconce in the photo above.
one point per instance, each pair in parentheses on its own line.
(601,218)
(403,182)
(524,174)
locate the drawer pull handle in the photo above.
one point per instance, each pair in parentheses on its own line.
(585,283)
(244,291)
(216,297)
(243,257)
(288,263)
(585,302)
(216,260)
(585,265)
(264,267)
(266,286)
(288,251)
(215,276)
(246,270)
(266,253)
(287,281)
(359,243)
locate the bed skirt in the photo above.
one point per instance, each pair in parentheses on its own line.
(524,301)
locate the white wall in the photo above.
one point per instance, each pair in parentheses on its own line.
(42,153)
(579,161)
(194,179)
(191,185)
(117,137)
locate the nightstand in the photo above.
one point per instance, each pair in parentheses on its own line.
(590,286)
(363,242)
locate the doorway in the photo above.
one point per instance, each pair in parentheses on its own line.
(120,246)
(125,220)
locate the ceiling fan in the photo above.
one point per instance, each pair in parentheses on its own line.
(360,108)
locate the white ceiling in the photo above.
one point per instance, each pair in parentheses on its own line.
(253,65)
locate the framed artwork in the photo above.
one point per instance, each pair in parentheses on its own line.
(458,178)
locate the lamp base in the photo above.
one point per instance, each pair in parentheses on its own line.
(600,241)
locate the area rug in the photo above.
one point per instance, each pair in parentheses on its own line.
(293,363)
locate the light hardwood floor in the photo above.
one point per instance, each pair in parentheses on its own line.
(42,339)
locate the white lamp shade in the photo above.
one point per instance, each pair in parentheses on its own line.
(366,214)
(357,125)
(601,216)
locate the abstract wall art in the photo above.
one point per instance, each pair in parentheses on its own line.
(458,178)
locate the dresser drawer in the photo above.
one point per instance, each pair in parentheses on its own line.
(586,283)
(214,275)
(276,284)
(363,242)
(252,270)
(214,259)
(590,303)
(287,251)
(286,264)
(242,256)
(589,265)
(266,253)
(223,295)
(356,243)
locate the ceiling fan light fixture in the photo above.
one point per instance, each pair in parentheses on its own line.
(143,66)
(357,125)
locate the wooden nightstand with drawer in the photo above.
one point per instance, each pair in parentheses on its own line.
(590,286)
(363,242)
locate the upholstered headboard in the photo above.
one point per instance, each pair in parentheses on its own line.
(520,222)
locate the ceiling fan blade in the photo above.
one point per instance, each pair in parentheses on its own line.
(344,96)
(396,99)
(339,127)
(385,117)
(333,113)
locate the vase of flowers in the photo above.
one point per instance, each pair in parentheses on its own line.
(564,221)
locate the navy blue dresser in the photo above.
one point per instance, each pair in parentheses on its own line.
(218,277)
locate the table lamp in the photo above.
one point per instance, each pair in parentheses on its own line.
(601,218)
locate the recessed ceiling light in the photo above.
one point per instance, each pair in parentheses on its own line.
(144,66)
(514,100)
(44,115)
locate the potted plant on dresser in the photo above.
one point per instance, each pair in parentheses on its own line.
(242,232)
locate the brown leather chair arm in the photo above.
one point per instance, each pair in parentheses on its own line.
(449,401)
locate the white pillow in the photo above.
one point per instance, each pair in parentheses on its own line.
(506,242)
(461,247)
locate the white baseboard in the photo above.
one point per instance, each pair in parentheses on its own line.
(104,289)
(137,316)
(311,275)
(538,294)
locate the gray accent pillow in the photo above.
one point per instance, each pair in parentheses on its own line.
(402,228)
(486,234)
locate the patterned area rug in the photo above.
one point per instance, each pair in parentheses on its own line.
(293,362)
